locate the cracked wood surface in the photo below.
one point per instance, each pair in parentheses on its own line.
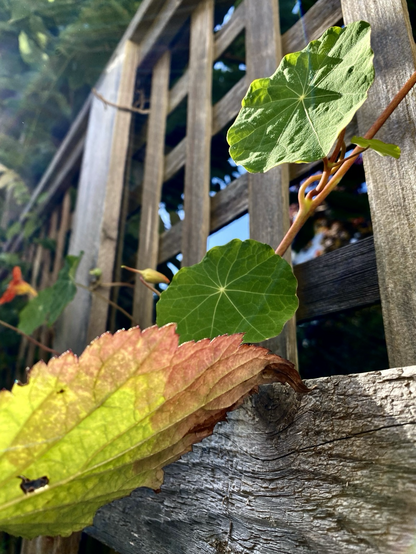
(332,471)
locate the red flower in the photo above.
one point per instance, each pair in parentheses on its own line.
(17,287)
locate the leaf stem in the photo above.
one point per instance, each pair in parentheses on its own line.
(338,147)
(307,208)
(110,302)
(149,286)
(29,338)
(116,284)
(337,165)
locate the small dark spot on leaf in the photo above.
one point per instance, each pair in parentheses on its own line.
(29,485)
(60,391)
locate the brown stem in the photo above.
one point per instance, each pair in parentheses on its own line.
(338,146)
(118,106)
(116,285)
(304,215)
(391,107)
(146,284)
(324,179)
(113,304)
(337,165)
(304,186)
(29,338)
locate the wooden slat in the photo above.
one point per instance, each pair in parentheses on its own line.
(222,40)
(170,242)
(222,112)
(269,192)
(324,14)
(294,39)
(120,134)
(178,92)
(229,203)
(175,160)
(52,545)
(63,229)
(392,183)
(229,31)
(91,198)
(162,30)
(339,280)
(229,105)
(46,281)
(331,471)
(152,189)
(226,205)
(198,135)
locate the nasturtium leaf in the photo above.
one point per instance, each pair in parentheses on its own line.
(85,431)
(241,287)
(50,302)
(382,148)
(297,113)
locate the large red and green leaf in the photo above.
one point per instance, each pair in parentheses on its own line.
(102,425)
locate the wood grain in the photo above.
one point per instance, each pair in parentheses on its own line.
(178,92)
(269,192)
(152,189)
(175,160)
(229,105)
(337,281)
(87,224)
(332,471)
(113,192)
(392,183)
(198,134)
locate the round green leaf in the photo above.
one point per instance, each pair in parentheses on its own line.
(297,113)
(242,287)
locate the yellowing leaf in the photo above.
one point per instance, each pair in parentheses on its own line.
(86,431)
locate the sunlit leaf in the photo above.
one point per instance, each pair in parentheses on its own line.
(297,113)
(242,287)
(382,148)
(95,428)
(50,302)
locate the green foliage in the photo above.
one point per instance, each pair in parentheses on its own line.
(242,287)
(52,54)
(382,148)
(297,113)
(50,302)
(99,426)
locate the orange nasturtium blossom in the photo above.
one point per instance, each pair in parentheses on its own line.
(17,287)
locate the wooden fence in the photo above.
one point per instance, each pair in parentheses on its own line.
(335,469)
